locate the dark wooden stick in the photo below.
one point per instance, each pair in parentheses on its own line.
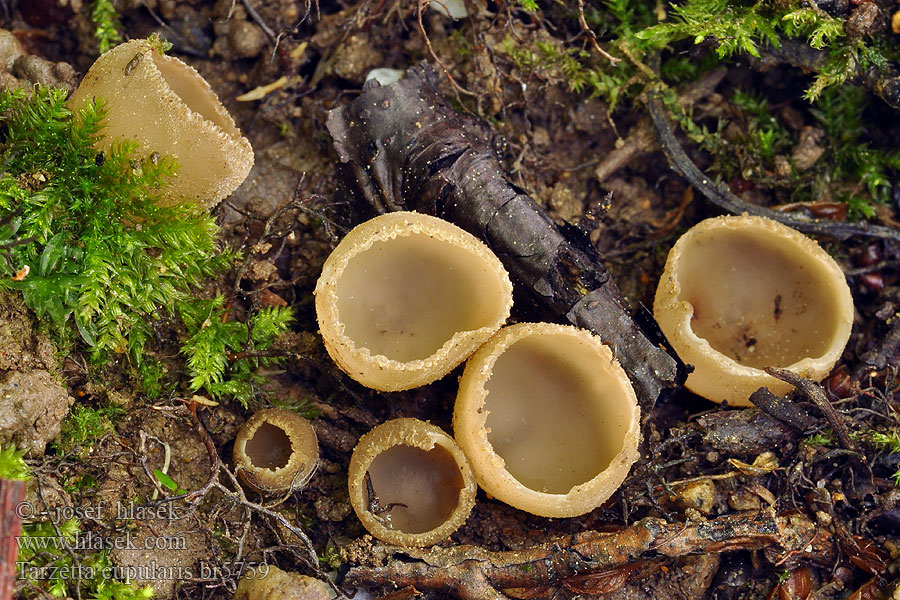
(784,410)
(403,148)
(815,394)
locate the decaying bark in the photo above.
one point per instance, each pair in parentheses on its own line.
(747,432)
(571,562)
(405,149)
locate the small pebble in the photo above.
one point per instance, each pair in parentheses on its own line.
(246,39)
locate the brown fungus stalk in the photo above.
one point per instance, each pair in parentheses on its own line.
(742,293)
(276,450)
(547,418)
(168,109)
(410,484)
(405,298)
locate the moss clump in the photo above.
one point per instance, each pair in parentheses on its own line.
(101,255)
(223,354)
(12,464)
(85,241)
(106,25)
(85,425)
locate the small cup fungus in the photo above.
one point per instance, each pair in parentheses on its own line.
(276,450)
(267,582)
(547,418)
(740,293)
(168,108)
(406,297)
(410,484)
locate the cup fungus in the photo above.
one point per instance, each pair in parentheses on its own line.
(547,418)
(267,582)
(740,293)
(169,109)
(410,484)
(406,297)
(276,450)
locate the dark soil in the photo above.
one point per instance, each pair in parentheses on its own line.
(699,461)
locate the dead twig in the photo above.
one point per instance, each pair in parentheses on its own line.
(785,411)
(642,139)
(260,21)
(721,196)
(473,573)
(421,4)
(613,61)
(815,394)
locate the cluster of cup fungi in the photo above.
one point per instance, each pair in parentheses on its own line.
(545,418)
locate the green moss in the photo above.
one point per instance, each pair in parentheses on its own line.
(84,426)
(767,135)
(106,24)
(821,439)
(881,441)
(858,173)
(12,464)
(223,354)
(100,260)
(890,443)
(733,26)
(739,26)
(102,254)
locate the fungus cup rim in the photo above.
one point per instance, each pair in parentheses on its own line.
(264,479)
(419,434)
(351,357)
(694,349)
(469,426)
(234,150)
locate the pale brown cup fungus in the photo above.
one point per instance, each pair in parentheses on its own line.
(405,298)
(166,107)
(741,293)
(276,450)
(410,484)
(547,418)
(268,582)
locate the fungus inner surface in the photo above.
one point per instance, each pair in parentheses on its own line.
(555,416)
(269,448)
(756,303)
(416,490)
(404,298)
(188,87)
